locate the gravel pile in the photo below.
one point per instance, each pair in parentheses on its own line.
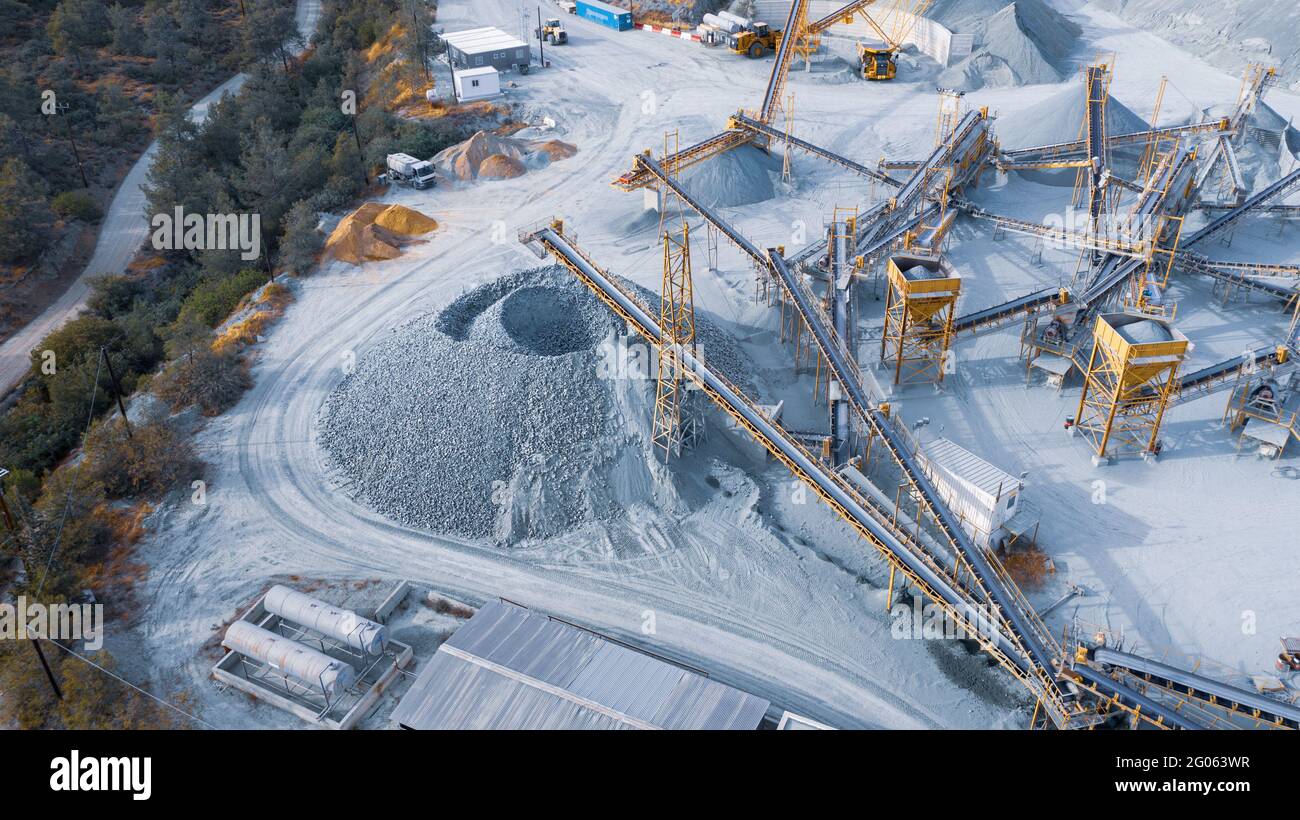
(497,418)
(482,420)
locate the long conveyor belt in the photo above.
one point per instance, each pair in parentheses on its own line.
(1192,685)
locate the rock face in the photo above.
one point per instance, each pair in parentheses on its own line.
(1226,33)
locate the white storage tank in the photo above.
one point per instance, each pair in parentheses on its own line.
(314,669)
(343,625)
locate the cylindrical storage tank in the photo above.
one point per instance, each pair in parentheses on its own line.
(312,668)
(743,22)
(342,625)
(729,26)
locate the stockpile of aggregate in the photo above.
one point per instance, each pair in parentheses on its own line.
(1059,119)
(1024,42)
(1226,34)
(497,418)
(741,176)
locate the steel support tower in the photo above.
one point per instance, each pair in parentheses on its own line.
(919,311)
(675,422)
(1131,376)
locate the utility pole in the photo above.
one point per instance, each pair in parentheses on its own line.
(356,135)
(541,37)
(419,39)
(81,168)
(117,391)
(12,526)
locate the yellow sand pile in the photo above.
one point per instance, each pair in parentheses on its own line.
(500,166)
(491,156)
(375,231)
(557,150)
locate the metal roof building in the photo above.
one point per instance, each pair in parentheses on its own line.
(479,47)
(511,668)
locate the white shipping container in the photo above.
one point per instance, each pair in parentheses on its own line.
(982,496)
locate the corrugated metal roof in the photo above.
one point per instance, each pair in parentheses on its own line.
(970,468)
(480,40)
(511,668)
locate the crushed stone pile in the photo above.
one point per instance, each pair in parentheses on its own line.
(741,176)
(482,420)
(489,156)
(376,231)
(1226,34)
(505,416)
(1016,43)
(1059,118)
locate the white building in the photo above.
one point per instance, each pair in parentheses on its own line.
(982,496)
(479,47)
(477,83)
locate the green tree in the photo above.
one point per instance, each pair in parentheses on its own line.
(25,215)
(77,26)
(302,242)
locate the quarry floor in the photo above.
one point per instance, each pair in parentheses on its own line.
(786,604)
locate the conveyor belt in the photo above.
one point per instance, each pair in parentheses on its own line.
(1134,700)
(996,315)
(816,150)
(1262,356)
(784,55)
(656,171)
(1217,224)
(845,373)
(637,178)
(1079,147)
(1202,688)
(830,487)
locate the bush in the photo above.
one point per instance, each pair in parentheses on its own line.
(215,299)
(212,381)
(152,461)
(77,205)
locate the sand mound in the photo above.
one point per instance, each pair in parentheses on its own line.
(500,166)
(405,221)
(556,149)
(1020,43)
(1059,118)
(741,176)
(375,231)
(489,156)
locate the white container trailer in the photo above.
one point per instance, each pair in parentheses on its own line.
(477,83)
(982,496)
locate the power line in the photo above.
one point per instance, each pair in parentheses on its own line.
(76,474)
(126,682)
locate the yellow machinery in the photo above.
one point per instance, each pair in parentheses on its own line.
(755,42)
(879,59)
(1131,376)
(552,31)
(919,311)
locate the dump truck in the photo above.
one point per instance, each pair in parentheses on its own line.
(404,169)
(552,32)
(879,61)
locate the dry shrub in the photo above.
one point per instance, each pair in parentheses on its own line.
(153,460)
(213,380)
(1027,567)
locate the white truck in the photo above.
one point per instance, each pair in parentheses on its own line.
(567,5)
(405,169)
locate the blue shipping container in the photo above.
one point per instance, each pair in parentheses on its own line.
(605,14)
